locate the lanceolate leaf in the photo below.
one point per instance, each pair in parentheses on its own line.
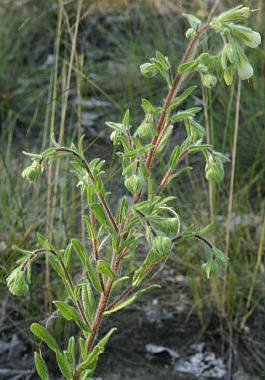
(79,249)
(44,335)
(179,99)
(41,367)
(129,300)
(70,313)
(92,358)
(88,301)
(103,267)
(91,230)
(93,277)
(189,66)
(63,365)
(67,311)
(99,214)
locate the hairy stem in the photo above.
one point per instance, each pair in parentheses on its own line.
(172,92)
(100,195)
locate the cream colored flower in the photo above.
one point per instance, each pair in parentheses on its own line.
(245,70)
(236,14)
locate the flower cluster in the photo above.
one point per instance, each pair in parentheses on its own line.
(232,56)
(16,282)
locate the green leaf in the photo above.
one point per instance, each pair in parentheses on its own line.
(90,193)
(104,340)
(79,249)
(163,60)
(49,152)
(67,255)
(148,69)
(121,279)
(53,141)
(193,21)
(130,166)
(67,311)
(99,214)
(57,267)
(174,157)
(103,267)
(197,148)
(34,156)
(71,346)
(63,365)
(44,242)
(92,358)
(16,248)
(147,106)
(138,275)
(90,228)
(179,99)
(188,66)
(130,242)
(131,299)
(93,277)
(181,115)
(81,253)
(60,155)
(86,375)
(88,301)
(204,229)
(83,348)
(139,151)
(80,148)
(115,126)
(44,335)
(123,209)
(70,313)
(126,120)
(41,367)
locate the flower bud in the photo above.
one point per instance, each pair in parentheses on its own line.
(190,33)
(144,129)
(228,56)
(148,70)
(245,70)
(214,170)
(169,225)
(248,36)
(208,80)
(133,183)
(16,282)
(236,14)
(116,137)
(210,269)
(162,244)
(33,171)
(216,25)
(228,75)
(194,129)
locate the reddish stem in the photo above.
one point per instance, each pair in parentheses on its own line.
(128,290)
(163,182)
(95,248)
(150,267)
(104,297)
(161,136)
(172,91)
(100,195)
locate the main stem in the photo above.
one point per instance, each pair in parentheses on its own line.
(172,91)
(105,295)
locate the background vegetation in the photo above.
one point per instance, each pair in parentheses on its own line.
(68,71)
